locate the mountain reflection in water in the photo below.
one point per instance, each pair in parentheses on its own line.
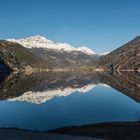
(68,98)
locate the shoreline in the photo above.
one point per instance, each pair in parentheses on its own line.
(34,70)
(99,131)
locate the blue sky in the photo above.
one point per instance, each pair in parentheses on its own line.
(101,25)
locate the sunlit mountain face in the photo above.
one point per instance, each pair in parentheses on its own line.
(42,42)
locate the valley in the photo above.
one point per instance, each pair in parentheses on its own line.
(38,54)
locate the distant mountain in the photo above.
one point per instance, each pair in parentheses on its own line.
(126,57)
(42,42)
(16,57)
(61,55)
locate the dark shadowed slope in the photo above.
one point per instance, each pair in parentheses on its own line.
(17,57)
(126,57)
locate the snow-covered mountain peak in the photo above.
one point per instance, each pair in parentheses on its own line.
(39,38)
(86,50)
(38,41)
(65,46)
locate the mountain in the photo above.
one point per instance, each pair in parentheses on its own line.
(41,52)
(16,57)
(64,59)
(42,42)
(125,57)
(61,55)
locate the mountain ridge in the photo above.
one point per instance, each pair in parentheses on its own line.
(60,55)
(39,41)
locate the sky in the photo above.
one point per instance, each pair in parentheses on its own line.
(102,25)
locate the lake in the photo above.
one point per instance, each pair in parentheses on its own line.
(45,101)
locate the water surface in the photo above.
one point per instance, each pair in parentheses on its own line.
(53,100)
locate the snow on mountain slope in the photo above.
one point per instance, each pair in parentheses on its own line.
(85,50)
(42,42)
(105,53)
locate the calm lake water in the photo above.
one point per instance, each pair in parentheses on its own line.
(54,100)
